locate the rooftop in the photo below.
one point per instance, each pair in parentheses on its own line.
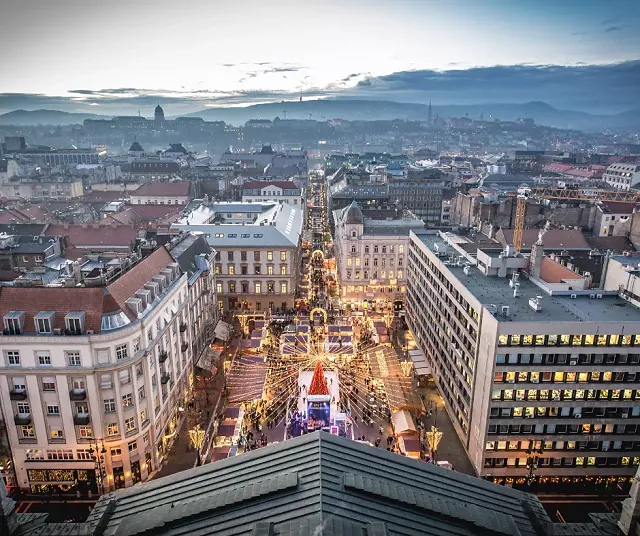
(167,189)
(87,236)
(556,308)
(552,239)
(259,185)
(320,484)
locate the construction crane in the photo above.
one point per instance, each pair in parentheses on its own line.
(587,194)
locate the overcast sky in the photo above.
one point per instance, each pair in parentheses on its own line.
(202,47)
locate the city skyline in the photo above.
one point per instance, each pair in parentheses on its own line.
(221,54)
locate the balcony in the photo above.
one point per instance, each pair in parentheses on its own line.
(81,419)
(183,327)
(184,347)
(18,394)
(78,394)
(22,419)
(164,355)
(165,379)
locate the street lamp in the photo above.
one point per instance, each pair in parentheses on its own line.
(533,457)
(196,434)
(433,439)
(97,455)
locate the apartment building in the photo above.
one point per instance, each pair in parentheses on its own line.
(42,188)
(372,256)
(622,176)
(257,252)
(274,191)
(92,378)
(559,374)
(422,196)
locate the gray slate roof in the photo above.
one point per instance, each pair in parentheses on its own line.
(320,484)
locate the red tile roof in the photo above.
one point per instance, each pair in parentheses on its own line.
(100,237)
(552,272)
(167,189)
(126,285)
(32,300)
(618,208)
(254,185)
(100,196)
(553,238)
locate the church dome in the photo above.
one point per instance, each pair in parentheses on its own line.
(353,214)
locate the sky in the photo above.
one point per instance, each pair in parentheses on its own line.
(219,52)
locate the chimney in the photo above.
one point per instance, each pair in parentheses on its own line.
(535,260)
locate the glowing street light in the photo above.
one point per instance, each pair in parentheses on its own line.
(196,434)
(433,438)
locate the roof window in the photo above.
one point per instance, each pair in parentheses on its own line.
(44,322)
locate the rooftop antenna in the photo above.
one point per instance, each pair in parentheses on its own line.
(138,112)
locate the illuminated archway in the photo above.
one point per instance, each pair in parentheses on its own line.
(318,310)
(318,251)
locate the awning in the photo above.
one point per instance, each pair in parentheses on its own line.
(223,331)
(419,362)
(208,359)
(403,423)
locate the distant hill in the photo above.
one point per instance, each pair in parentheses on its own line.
(45,117)
(367,110)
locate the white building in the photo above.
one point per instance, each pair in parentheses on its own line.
(90,367)
(257,252)
(372,256)
(161,193)
(523,363)
(278,191)
(622,176)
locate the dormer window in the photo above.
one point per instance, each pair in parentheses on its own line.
(44,322)
(14,323)
(74,322)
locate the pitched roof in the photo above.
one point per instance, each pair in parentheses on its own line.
(85,236)
(127,284)
(167,189)
(552,272)
(319,483)
(318,385)
(553,238)
(92,301)
(255,185)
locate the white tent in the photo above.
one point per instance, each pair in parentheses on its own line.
(223,331)
(403,423)
(419,362)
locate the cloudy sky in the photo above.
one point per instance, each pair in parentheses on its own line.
(213,52)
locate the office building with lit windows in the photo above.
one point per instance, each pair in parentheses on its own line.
(257,249)
(92,377)
(371,254)
(539,374)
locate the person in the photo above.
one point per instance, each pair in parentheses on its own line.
(381,430)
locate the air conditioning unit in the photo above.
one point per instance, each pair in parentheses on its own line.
(592,296)
(574,296)
(535,380)
(90,332)
(511,381)
(605,449)
(573,362)
(598,296)
(578,416)
(57,331)
(625,415)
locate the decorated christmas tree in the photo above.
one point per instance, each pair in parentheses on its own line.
(318,382)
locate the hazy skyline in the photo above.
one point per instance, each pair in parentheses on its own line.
(219,51)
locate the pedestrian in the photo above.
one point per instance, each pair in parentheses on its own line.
(381,430)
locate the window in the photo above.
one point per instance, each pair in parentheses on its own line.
(219,288)
(141,393)
(23,407)
(283,256)
(130,424)
(127,400)
(132,446)
(122,352)
(232,288)
(112,429)
(48,384)
(258,288)
(109,405)
(86,432)
(57,434)
(53,410)
(219,269)
(143,415)
(139,370)
(27,431)
(256,254)
(349,261)
(59,455)
(13,357)
(44,358)
(73,359)
(83,454)
(366,250)
(269,255)
(43,325)
(117,451)
(400,249)
(283,270)
(74,323)
(34,454)
(283,288)
(230,256)
(270,287)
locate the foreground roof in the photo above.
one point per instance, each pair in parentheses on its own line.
(319,484)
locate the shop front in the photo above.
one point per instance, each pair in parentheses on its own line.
(62,481)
